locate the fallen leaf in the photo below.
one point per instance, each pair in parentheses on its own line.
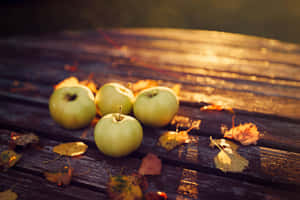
(24,139)
(9,158)
(124,188)
(155,196)
(216,108)
(142,85)
(62,177)
(228,160)
(71,81)
(176,88)
(171,139)
(151,165)
(95,121)
(8,195)
(71,68)
(246,134)
(90,84)
(224,144)
(70,149)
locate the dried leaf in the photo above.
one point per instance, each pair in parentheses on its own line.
(171,139)
(9,158)
(62,177)
(216,108)
(70,149)
(90,84)
(176,88)
(71,68)
(24,139)
(156,196)
(151,165)
(246,134)
(124,188)
(228,160)
(71,81)
(8,195)
(95,121)
(84,134)
(142,85)
(224,144)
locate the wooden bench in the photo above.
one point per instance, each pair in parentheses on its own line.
(259,78)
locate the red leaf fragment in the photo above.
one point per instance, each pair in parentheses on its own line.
(156,196)
(151,165)
(246,134)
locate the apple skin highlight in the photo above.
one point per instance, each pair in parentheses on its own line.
(156,106)
(118,135)
(72,107)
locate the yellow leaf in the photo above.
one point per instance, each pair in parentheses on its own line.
(9,158)
(216,108)
(170,139)
(125,188)
(228,160)
(232,162)
(8,195)
(176,88)
(71,81)
(70,149)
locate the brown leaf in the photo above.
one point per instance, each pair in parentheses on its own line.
(8,195)
(70,149)
(246,134)
(23,139)
(216,108)
(124,188)
(155,196)
(228,159)
(151,165)
(62,177)
(9,158)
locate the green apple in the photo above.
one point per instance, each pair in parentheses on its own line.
(114,98)
(118,135)
(156,106)
(72,107)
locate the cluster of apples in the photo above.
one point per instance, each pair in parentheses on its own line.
(116,133)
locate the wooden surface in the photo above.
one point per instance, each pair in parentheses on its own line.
(259,78)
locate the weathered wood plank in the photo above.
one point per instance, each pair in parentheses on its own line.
(274,104)
(29,186)
(188,183)
(276,133)
(197,154)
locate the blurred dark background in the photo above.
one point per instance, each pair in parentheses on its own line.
(279,19)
